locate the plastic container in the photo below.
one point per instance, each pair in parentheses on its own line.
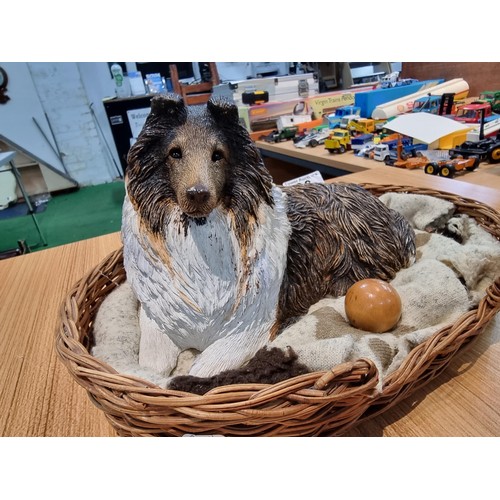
(121,86)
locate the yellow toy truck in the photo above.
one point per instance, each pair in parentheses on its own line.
(338,141)
(361,126)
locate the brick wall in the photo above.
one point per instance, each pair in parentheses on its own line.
(64,100)
(479,75)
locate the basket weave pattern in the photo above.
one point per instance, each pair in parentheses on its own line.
(319,403)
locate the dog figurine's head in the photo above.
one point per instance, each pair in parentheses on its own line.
(194,159)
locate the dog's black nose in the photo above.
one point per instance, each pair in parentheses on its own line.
(198,194)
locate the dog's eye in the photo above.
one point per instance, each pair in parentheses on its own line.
(217,155)
(175,153)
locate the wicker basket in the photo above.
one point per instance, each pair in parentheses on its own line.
(320,403)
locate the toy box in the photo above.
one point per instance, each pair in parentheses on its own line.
(278,89)
(324,104)
(265,116)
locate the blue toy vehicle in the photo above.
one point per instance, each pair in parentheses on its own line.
(334,119)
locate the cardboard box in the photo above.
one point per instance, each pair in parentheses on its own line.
(324,104)
(265,116)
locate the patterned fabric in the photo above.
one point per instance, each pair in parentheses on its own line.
(456,261)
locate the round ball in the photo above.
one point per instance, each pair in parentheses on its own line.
(373,305)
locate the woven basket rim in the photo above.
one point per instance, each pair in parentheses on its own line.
(320,403)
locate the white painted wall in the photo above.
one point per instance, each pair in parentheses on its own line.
(16,116)
(65,100)
(62,93)
(99,84)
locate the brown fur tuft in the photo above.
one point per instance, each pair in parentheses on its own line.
(268,366)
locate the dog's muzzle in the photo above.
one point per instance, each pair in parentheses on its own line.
(198,201)
(198,195)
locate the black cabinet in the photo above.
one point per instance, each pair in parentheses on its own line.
(126,117)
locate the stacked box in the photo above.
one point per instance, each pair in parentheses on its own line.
(265,116)
(279,89)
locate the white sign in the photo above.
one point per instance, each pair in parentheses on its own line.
(136,118)
(306,179)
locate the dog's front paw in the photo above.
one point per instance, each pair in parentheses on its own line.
(156,350)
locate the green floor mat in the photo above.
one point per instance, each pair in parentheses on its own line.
(73,216)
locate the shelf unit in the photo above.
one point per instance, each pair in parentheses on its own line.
(362,73)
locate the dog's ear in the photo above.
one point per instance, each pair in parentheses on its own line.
(223,110)
(169,107)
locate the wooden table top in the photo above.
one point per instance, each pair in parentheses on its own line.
(38,397)
(384,175)
(482,184)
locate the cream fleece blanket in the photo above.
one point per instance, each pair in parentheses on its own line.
(448,278)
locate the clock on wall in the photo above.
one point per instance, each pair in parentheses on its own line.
(4,80)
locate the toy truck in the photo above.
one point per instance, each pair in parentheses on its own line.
(383,149)
(435,104)
(334,119)
(338,141)
(285,134)
(493,98)
(344,122)
(359,141)
(361,126)
(406,157)
(486,149)
(380,152)
(427,104)
(473,112)
(448,168)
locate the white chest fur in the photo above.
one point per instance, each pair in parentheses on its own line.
(207,292)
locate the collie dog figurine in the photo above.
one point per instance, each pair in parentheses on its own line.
(219,257)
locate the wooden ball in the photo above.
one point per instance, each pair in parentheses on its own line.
(373,305)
